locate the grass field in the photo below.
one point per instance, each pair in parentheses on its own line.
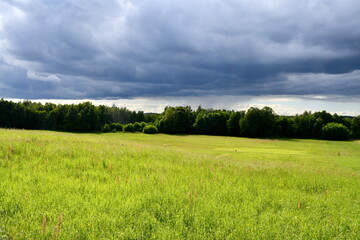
(135,186)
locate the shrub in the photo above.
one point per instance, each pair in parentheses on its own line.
(106,128)
(137,127)
(150,129)
(335,131)
(116,126)
(129,128)
(143,124)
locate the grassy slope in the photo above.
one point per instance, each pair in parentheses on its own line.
(136,186)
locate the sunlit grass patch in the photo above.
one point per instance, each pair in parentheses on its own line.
(260,150)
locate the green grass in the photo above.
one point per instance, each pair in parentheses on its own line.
(136,186)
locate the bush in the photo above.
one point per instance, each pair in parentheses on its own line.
(138,127)
(129,128)
(335,131)
(150,129)
(143,124)
(106,128)
(116,126)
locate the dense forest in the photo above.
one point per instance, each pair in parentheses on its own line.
(255,122)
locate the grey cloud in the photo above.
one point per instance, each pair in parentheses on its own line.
(124,48)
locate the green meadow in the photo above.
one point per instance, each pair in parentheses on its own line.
(57,185)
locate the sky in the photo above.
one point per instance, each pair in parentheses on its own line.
(233,54)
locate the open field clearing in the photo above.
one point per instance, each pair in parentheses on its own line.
(136,186)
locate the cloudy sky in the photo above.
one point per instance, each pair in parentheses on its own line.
(291,55)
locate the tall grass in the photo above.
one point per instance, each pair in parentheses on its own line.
(136,186)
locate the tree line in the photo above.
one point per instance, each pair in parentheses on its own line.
(83,117)
(255,122)
(258,123)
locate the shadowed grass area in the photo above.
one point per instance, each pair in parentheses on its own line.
(137,186)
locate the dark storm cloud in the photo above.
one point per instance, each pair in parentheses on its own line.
(112,49)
